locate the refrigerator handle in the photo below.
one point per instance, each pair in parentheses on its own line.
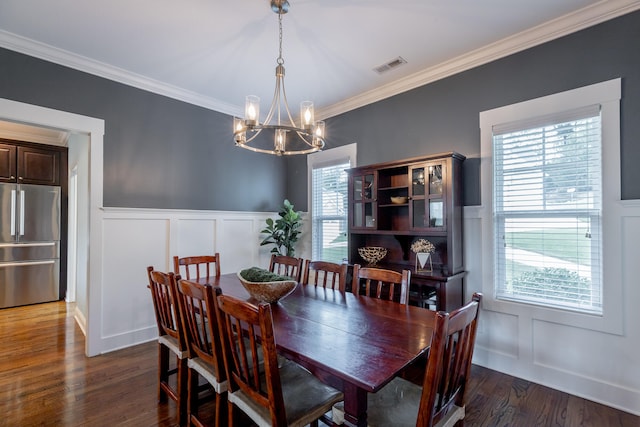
(13,212)
(22,212)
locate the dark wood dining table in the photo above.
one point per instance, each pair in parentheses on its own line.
(354,343)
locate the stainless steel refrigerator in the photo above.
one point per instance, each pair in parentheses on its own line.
(29,244)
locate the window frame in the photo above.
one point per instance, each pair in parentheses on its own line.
(607,94)
(525,207)
(326,158)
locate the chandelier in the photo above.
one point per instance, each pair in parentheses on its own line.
(288,139)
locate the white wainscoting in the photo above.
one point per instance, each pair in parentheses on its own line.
(137,238)
(597,365)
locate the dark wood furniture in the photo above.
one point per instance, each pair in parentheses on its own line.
(322,329)
(171,339)
(286,266)
(323,273)
(381,283)
(270,391)
(204,349)
(441,399)
(197,266)
(393,204)
(26,163)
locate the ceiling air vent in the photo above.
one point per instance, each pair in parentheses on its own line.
(390,65)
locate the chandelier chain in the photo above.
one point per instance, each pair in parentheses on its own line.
(280,58)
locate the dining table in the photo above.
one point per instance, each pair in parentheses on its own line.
(354,343)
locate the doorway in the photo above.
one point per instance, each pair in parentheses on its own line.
(87,132)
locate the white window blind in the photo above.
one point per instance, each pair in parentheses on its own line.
(547,198)
(329,211)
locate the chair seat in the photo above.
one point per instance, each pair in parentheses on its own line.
(396,404)
(305,397)
(206,370)
(173,345)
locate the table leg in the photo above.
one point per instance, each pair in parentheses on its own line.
(355,406)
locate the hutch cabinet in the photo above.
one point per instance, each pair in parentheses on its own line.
(25,163)
(393,204)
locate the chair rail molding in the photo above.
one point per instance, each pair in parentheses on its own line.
(137,238)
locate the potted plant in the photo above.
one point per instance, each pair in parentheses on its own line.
(423,250)
(284,232)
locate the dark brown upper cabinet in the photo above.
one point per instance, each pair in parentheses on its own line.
(27,164)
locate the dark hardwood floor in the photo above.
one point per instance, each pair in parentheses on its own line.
(45,380)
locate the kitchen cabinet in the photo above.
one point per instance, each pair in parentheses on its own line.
(393,204)
(26,163)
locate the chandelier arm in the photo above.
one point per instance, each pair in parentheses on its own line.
(286,106)
(274,102)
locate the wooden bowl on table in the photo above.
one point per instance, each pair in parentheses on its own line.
(265,286)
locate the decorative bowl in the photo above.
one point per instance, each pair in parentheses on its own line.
(399,200)
(271,291)
(372,254)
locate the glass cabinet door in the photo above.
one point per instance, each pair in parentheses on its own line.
(363,215)
(427,196)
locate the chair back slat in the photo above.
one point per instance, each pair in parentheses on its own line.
(200,323)
(163,290)
(449,362)
(197,267)
(381,283)
(245,325)
(286,266)
(325,274)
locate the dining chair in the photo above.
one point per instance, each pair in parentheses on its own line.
(197,267)
(170,340)
(325,274)
(278,393)
(441,399)
(204,348)
(381,283)
(286,266)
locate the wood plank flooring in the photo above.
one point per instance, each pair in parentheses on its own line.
(45,380)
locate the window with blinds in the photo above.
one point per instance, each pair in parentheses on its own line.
(329,211)
(547,198)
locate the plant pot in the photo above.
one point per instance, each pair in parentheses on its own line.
(423,262)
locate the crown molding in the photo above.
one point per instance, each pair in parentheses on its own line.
(556,28)
(583,18)
(68,59)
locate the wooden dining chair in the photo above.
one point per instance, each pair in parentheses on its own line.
(325,274)
(170,340)
(198,307)
(286,266)
(381,283)
(441,399)
(197,267)
(277,393)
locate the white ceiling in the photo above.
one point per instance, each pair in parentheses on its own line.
(213,53)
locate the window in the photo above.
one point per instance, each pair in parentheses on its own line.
(328,182)
(551,209)
(547,210)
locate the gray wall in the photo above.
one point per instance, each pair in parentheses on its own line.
(163,153)
(158,152)
(444,116)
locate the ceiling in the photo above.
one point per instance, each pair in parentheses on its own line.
(213,53)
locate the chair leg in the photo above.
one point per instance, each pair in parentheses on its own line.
(230,413)
(222,409)
(163,371)
(182,392)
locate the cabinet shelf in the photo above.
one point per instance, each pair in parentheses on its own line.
(400,187)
